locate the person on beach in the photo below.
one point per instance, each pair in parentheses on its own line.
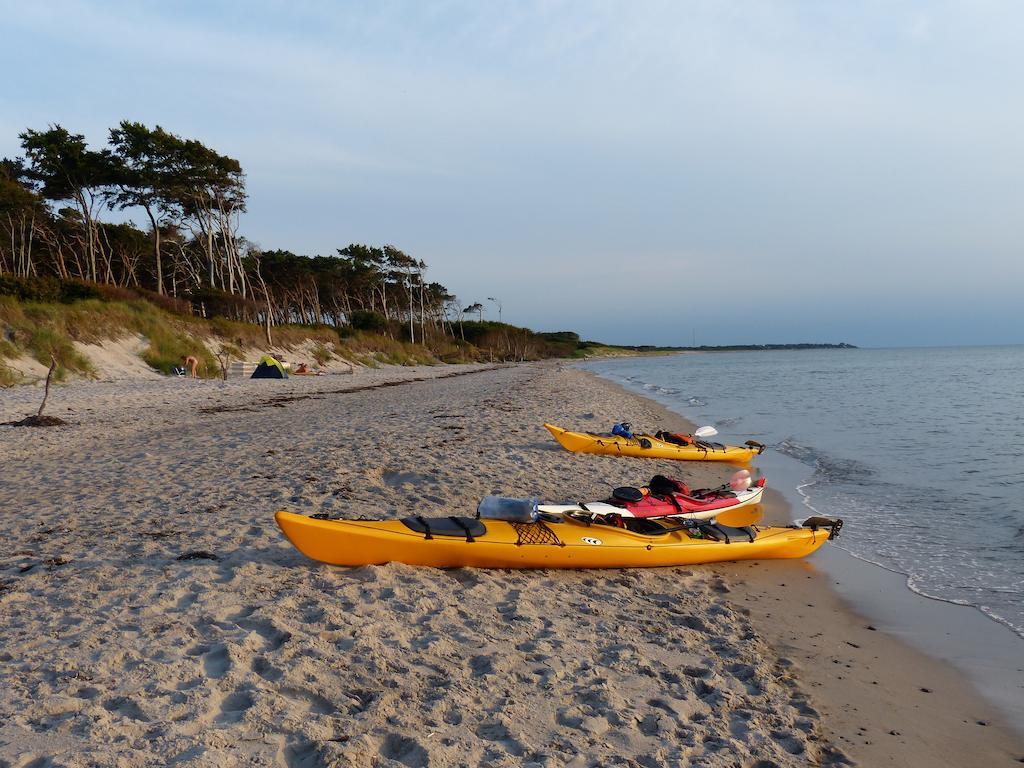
(192,363)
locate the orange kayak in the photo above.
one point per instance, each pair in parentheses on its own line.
(454,542)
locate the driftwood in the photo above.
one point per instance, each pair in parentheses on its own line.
(38,419)
(224,359)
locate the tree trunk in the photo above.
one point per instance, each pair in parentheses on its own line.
(266,295)
(412,315)
(156,252)
(46,391)
(423,318)
(90,247)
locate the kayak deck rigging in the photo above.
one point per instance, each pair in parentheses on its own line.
(570,541)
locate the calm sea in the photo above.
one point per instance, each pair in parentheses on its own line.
(920,451)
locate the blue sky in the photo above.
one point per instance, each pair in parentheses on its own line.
(637,171)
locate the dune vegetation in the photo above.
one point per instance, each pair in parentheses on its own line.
(191,283)
(43,317)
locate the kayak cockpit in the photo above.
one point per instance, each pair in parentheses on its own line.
(463,527)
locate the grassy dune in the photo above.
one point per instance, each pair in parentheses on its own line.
(38,330)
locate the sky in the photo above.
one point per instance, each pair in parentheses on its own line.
(640,172)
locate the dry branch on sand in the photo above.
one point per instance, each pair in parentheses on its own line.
(38,419)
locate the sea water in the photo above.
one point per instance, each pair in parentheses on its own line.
(920,451)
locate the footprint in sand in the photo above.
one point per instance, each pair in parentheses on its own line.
(300,754)
(481,665)
(216,661)
(499,734)
(398,479)
(405,750)
(360,701)
(233,708)
(273,637)
(651,724)
(315,703)
(125,707)
(789,742)
(265,669)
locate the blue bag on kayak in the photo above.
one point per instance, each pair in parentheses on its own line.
(623,430)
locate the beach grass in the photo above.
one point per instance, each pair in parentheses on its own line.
(36,329)
(8,376)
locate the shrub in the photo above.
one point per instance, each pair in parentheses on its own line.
(168,347)
(8,376)
(364,320)
(211,302)
(321,353)
(42,342)
(72,290)
(47,289)
(30,288)
(7,349)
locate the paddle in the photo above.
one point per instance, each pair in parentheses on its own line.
(708,431)
(734,518)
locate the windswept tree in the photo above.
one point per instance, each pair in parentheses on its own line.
(20,210)
(66,169)
(366,266)
(150,176)
(402,270)
(210,188)
(51,203)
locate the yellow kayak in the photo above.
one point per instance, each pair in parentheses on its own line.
(455,542)
(651,447)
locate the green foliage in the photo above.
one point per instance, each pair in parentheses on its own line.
(42,342)
(232,351)
(28,330)
(8,377)
(371,349)
(158,169)
(37,329)
(185,187)
(25,334)
(63,164)
(46,289)
(364,320)
(15,196)
(121,293)
(217,303)
(321,354)
(561,337)
(92,313)
(168,347)
(368,360)
(501,341)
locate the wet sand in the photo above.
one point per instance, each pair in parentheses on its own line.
(151,613)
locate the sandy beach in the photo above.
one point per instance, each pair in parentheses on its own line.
(152,614)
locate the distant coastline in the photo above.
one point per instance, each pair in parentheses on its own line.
(731,347)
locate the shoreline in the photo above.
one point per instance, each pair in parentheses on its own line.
(831,595)
(153,613)
(984,648)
